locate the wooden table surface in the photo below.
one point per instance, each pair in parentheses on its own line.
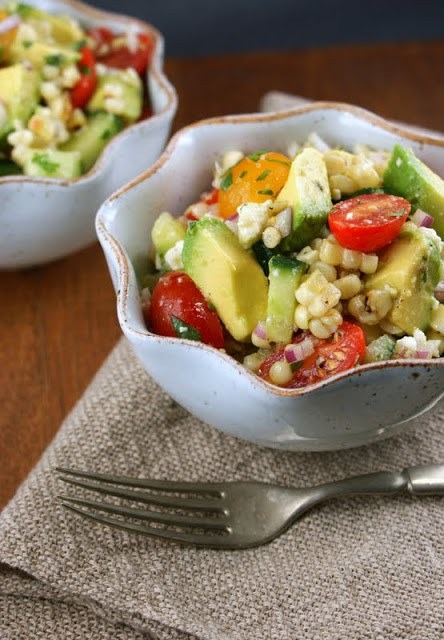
(58,322)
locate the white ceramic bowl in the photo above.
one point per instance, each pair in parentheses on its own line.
(349,409)
(42,219)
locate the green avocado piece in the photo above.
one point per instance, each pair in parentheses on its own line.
(129,94)
(20,94)
(63,29)
(411,265)
(285,274)
(40,53)
(307,191)
(91,139)
(409,177)
(51,163)
(227,274)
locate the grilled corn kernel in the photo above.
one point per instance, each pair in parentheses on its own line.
(327,270)
(349,285)
(280,372)
(380,302)
(326,326)
(357,307)
(369,263)
(330,252)
(308,255)
(351,259)
(253,361)
(271,237)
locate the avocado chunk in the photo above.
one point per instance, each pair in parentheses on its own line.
(380,349)
(409,177)
(307,191)
(40,53)
(50,163)
(284,277)
(91,139)
(411,265)
(20,94)
(127,89)
(166,232)
(63,29)
(227,274)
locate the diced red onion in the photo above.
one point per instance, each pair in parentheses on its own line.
(9,23)
(439,291)
(233,218)
(422,219)
(260,332)
(299,351)
(423,353)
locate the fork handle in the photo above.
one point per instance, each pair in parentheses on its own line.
(425,480)
(421,480)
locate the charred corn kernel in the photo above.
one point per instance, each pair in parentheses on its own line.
(49,90)
(301,317)
(326,326)
(330,252)
(69,76)
(351,259)
(61,107)
(437,320)
(327,270)
(369,263)
(19,153)
(380,302)
(349,286)
(349,172)
(77,119)
(271,237)
(22,137)
(308,255)
(280,372)
(357,307)
(259,342)
(253,361)
(317,294)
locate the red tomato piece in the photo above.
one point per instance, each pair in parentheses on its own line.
(176,296)
(84,87)
(100,36)
(343,351)
(123,57)
(368,222)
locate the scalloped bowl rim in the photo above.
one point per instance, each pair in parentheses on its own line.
(122,259)
(156,71)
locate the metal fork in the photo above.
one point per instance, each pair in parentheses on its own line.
(229,515)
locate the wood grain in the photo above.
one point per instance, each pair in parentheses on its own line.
(58,322)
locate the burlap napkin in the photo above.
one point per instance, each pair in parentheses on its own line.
(356,568)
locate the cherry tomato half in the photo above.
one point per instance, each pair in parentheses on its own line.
(368,222)
(123,57)
(84,87)
(100,36)
(343,351)
(175,296)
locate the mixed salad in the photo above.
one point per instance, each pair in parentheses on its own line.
(306,263)
(65,90)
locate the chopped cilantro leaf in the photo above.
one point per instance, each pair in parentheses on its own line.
(84,69)
(79,44)
(396,214)
(56,59)
(184,330)
(266,192)
(257,154)
(42,160)
(227,180)
(263,175)
(27,43)
(107,134)
(286,163)
(243,174)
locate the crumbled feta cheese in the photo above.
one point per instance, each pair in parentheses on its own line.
(253,218)
(173,257)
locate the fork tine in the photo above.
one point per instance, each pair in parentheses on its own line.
(201,540)
(147,483)
(199,504)
(154,516)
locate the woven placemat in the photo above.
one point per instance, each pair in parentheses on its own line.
(367,568)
